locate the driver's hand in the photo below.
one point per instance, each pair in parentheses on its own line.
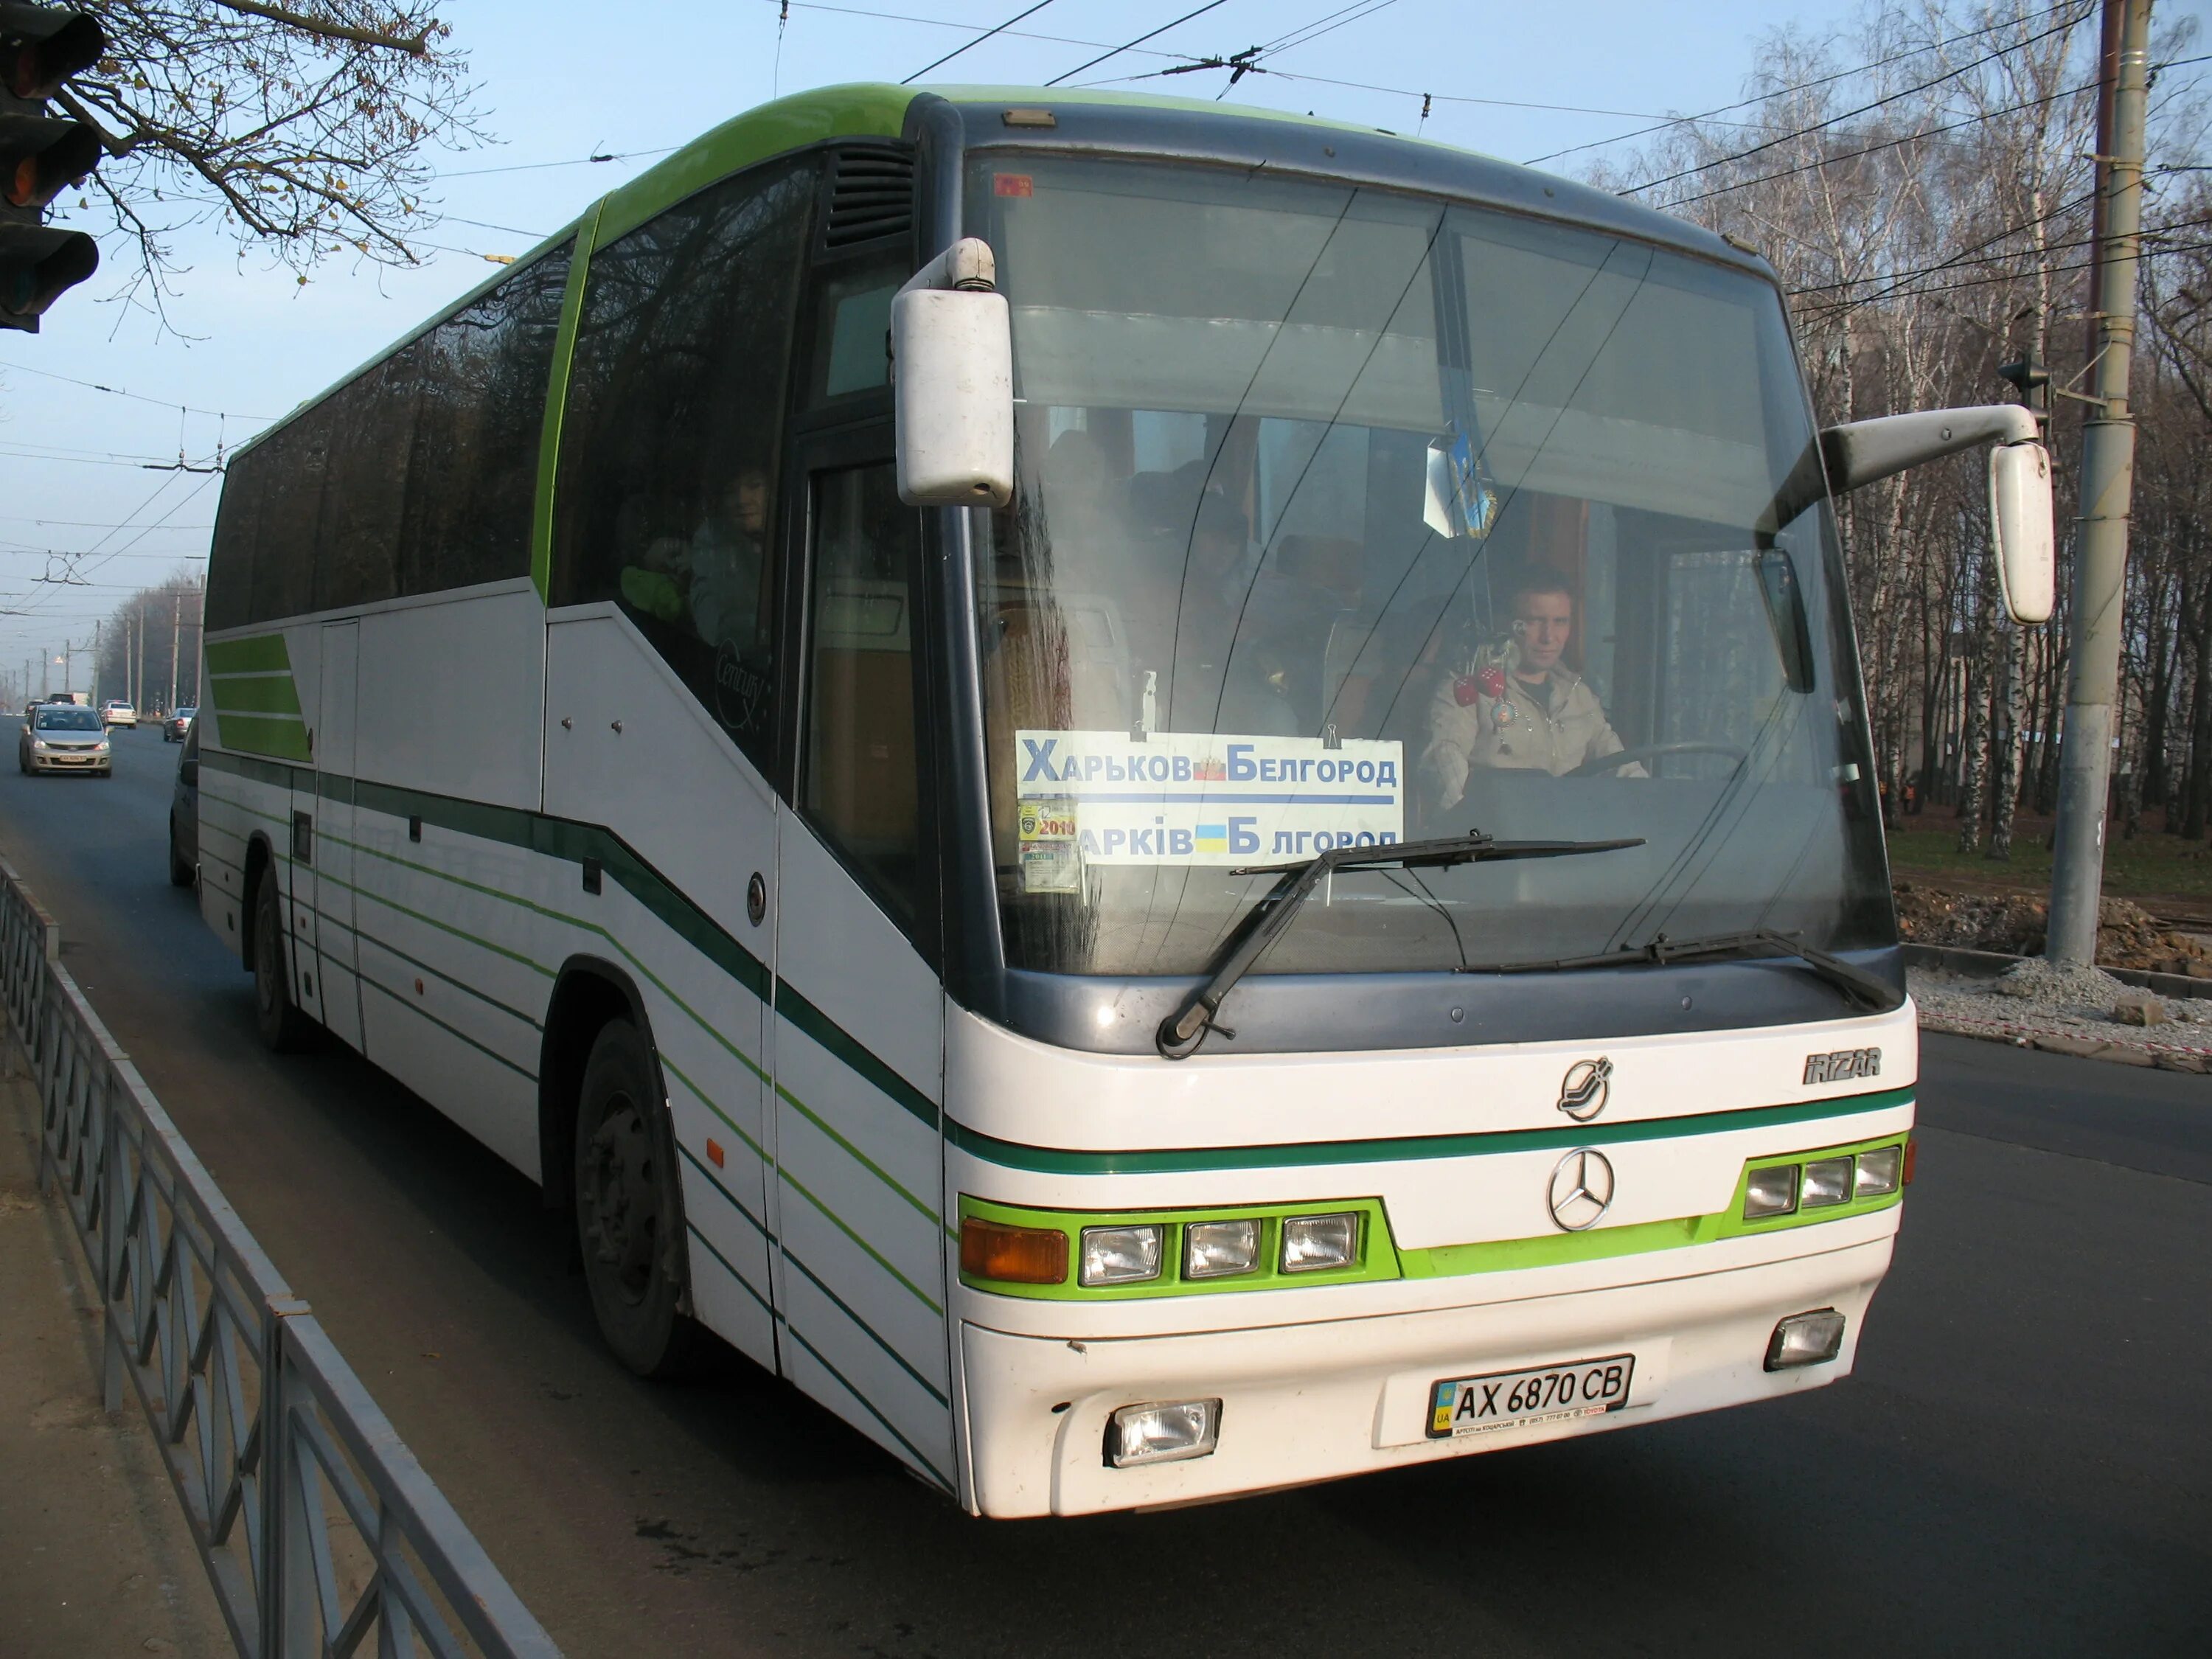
(1448,766)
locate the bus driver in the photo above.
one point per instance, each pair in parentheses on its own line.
(1514,704)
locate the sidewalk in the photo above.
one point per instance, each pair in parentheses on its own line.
(95,1558)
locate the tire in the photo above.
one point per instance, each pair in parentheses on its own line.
(180,873)
(630,1207)
(282,1026)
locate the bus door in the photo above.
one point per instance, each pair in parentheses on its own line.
(323,888)
(859,1024)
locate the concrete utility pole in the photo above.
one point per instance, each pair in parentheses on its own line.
(2100,553)
(176,638)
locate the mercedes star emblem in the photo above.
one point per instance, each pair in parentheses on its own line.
(1581,1097)
(1582,1188)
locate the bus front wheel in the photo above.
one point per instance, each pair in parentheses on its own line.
(629,1206)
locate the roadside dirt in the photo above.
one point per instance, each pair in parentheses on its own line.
(1988,918)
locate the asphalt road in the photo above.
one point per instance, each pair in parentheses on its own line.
(2021,1466)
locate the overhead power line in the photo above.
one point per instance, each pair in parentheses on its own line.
(1834,306)
(999,28)
(1801,86)
(1151,35)
(2150,232)
(1886,144)
(135,396)
(1853,114)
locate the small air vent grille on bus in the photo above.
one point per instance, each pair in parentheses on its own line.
(871,195)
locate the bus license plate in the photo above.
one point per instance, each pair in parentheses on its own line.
(1549,1393)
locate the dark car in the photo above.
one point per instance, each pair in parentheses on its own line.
(185,815)
(176,723)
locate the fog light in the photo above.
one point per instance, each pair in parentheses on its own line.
(1314,1244)
(1162,1433)
(1877,1171)
(1806,1339)
(1120,1255)
(1216,1249)
(1772,1191)
(1827,1181)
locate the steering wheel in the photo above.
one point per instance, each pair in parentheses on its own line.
(1649,752)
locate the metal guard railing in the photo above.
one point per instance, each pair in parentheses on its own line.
(318,1528)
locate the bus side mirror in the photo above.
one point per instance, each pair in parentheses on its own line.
(952,357)
(2020,527)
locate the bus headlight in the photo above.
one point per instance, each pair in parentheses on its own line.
(1772,1191)
(1314,1244)
(1163,1433)
(1217,1249)
(1827,1181)
(1877,1171)
(1120,1255)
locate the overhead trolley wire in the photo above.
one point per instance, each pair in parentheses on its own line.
(999,28)
(120,391)
(1836,306)
(1785,92)
(1869,149)
(1852,115)
(2148,232)
(1210,5)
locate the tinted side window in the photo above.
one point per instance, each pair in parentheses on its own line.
(230,557)
(371,429)
(670,442)
(476,384)
(296,460)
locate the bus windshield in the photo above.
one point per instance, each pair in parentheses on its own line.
(1346,516)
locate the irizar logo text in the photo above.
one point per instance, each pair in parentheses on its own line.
(1843,1064)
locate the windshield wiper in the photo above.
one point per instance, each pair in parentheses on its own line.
(1182,1031)
(1866,990)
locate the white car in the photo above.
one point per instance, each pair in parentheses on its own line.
(119,713)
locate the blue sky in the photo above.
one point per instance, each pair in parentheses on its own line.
(557,85)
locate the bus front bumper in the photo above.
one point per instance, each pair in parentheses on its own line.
(1317,1401)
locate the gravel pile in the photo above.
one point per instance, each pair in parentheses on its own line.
(2073,1011)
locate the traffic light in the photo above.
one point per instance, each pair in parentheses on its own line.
(40,157)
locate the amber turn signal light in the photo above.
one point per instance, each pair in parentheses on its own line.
(1911,1157)
(1016,1256)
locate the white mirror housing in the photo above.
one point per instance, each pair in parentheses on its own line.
(952,358)
(2021,532)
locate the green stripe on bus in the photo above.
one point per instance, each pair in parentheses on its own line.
(736,1203)
(789,124)
(875,1336)
(526,1075)
(262,694)
(556,398)
(838,1221)
(928,1211)
(1053,1160)
(260,654)
(814,1023)
(283,736)
(742,1281)
(867,1405)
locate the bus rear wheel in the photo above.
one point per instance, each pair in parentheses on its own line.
(278,1019)
(629,1206)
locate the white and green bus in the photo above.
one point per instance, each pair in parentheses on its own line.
(1168,800)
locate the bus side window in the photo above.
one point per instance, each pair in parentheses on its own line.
(858,783)
(671,439)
